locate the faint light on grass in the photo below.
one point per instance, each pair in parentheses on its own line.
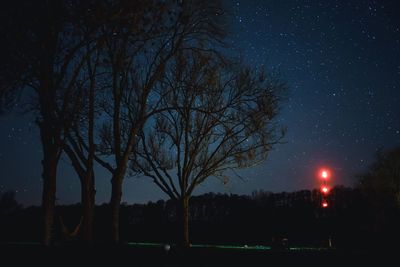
(308,248)
(141,244)
(233,247)
(239,247)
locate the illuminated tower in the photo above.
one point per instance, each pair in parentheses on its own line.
(324,176)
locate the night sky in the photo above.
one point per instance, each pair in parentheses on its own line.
(341,60)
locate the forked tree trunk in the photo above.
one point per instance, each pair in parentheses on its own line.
(116,183)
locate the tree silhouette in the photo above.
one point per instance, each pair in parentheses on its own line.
(218,117)
(139,41)
(44,50)
(80,145)
(8,203)
(49,47)
(381,182)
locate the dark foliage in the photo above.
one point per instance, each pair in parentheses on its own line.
(230,219)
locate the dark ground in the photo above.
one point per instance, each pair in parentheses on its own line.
(35,255)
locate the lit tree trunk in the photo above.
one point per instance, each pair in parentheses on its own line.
(88,203)
(48,196)
(50,138)
(116,195)
(117,180)
(88,192)
(88,183)
(183,214)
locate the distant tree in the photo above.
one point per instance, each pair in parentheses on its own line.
(8,203)
(381,182)
(218,116)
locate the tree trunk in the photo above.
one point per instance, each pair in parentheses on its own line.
(116,195)
(116,183)
(49,131)
(88,202)
(183,213)
(50,144)
(48,196)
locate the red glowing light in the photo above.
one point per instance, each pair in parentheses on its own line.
(324,173)
(324,204)
(325,190)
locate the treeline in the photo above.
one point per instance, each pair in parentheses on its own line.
(350,221)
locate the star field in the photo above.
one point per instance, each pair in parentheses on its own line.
(341,61)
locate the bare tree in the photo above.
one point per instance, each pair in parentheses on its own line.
(45,51)
(140,41)
(80,146)
(217,117)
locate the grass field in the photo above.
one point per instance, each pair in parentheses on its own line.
(156,254)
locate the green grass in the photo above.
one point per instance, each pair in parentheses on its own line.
(234,247)
(161,245)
